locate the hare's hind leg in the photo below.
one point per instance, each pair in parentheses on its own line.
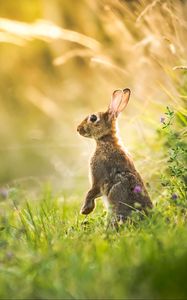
(119,199)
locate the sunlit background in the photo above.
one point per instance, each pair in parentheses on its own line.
(61,60)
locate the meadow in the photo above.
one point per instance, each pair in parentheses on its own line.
(61,60)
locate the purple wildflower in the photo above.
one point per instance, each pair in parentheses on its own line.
(9,255)
(174,196)
(137,189)
(3,193)
(162,119)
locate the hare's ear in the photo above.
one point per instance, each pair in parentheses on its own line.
(119,101)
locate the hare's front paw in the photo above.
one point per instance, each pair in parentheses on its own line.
(87,208)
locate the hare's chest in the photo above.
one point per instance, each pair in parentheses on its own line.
(98,167)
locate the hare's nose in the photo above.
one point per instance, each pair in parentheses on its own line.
(78,128)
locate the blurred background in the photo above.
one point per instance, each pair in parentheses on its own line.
(61,60)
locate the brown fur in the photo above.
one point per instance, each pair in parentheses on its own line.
(112,171)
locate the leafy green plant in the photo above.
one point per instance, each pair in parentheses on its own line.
(175,177)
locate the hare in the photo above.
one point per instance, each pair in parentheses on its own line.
(113,173)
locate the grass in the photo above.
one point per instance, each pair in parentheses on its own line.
(49,251)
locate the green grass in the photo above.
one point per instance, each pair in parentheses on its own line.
(49,251)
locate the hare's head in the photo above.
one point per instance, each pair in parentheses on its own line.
(101,124)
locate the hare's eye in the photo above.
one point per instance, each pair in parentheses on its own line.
(93,118)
